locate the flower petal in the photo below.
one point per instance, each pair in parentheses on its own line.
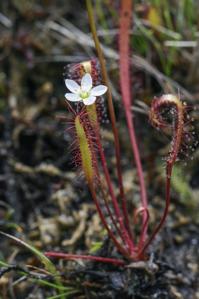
(72,97)
(86,82)
(89,101)
(72,86)
(98,90)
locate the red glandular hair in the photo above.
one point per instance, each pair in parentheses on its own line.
(170,114)
(76,71)
(84,145)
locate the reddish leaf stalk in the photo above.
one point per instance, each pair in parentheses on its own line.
(123,251)
(124,232)
(165,213)
(120,218)
(74,257)
(178,126)
(113,216)
(110,213)
(125,83)
(87,157)
(84,127)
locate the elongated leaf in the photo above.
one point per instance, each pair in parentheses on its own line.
(47,263)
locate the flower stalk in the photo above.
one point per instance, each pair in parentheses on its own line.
(109,99)
(125,83)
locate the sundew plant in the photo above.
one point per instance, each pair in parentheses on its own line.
(87,89)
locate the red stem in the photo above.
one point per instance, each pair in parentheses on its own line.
(107,206)
(117,244)
(74,257)
(178,124)
(110,213)
(125,25)
(125,234)
(95,125)
(141,241)
(161,223)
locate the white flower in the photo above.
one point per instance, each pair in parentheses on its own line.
(85,92)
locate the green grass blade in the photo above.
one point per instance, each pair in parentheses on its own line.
(47,263)
(64,294)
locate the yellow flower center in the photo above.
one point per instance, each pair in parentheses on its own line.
(84,94)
